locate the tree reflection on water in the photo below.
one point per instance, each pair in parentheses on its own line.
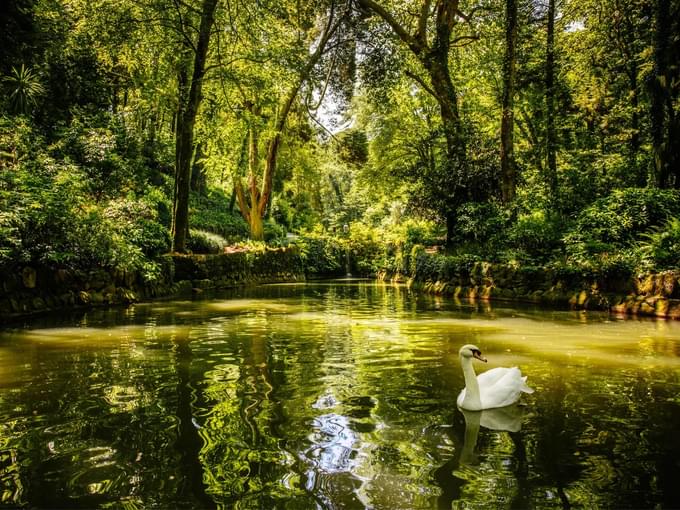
(335,396)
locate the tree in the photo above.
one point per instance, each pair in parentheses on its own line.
(665,91)
(190,83)
(253,204)
(440,20)
(550,134)
(508,169)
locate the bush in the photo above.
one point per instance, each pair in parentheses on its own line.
(480,223)
(138,223)
(535,236)
(660,249)
(322,254)
(203,242)
(49,217)
(440,267)
(273,232)
(616,222)
(366,249)
(211,213)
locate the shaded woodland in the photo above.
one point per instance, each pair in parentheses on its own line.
(530,132)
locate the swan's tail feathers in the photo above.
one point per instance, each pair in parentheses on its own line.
(525,388)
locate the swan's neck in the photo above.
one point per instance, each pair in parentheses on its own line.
(472,398)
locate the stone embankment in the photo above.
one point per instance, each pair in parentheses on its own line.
(655,294)
(29,290)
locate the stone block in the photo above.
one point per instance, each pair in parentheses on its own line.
(29,277)
(661,307)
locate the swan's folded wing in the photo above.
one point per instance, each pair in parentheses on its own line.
(491,377)
(502,387)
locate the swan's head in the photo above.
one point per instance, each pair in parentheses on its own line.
(471,351)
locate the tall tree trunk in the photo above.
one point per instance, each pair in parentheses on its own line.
(199,179)
(551,139)
(634,144)
(508,169)
(250,204)
(186,120)
(658,85)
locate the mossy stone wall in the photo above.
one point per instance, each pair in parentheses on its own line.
(655,294)
(27,290)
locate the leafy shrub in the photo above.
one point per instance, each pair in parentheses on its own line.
(433,266)
(91,142)
(399,238)
(321,253)
(138,224)
(536,236)
(366,249)
(273,231)
(211,213)
(49,217)
(617,221)
(200,241)
(479,222)
(660,249)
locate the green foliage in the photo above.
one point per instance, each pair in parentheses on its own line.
(49,217)
(24,89)
(273,232)
(211,213)
(479,223)
(86,160)
(329,254)
(439,267)
(400,238)
(535,236)
(322,254)
(618,220)
(660,248)
(366,249)
(201,241)
(138,222)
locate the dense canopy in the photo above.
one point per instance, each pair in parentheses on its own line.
(536,132)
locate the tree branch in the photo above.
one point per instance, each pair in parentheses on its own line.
(413,43)
(468,38)
(421,34)
(422,83)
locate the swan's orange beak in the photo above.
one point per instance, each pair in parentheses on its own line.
(478,355)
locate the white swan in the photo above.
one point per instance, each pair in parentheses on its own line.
(498,387)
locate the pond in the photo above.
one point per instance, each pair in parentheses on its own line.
(335,395)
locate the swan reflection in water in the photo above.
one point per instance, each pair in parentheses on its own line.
(508,419)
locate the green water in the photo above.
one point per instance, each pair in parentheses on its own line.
(335,395)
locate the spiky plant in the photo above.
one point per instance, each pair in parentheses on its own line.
(24,89)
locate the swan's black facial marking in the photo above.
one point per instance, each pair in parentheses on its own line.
(476,353)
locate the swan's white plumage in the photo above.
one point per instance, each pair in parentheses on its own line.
(498,387)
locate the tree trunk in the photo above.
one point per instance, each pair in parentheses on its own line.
(253,210)
(508,169)
(199,179)
(658,84)
(551,139)
(438,70)
(186,120)
(635,115)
